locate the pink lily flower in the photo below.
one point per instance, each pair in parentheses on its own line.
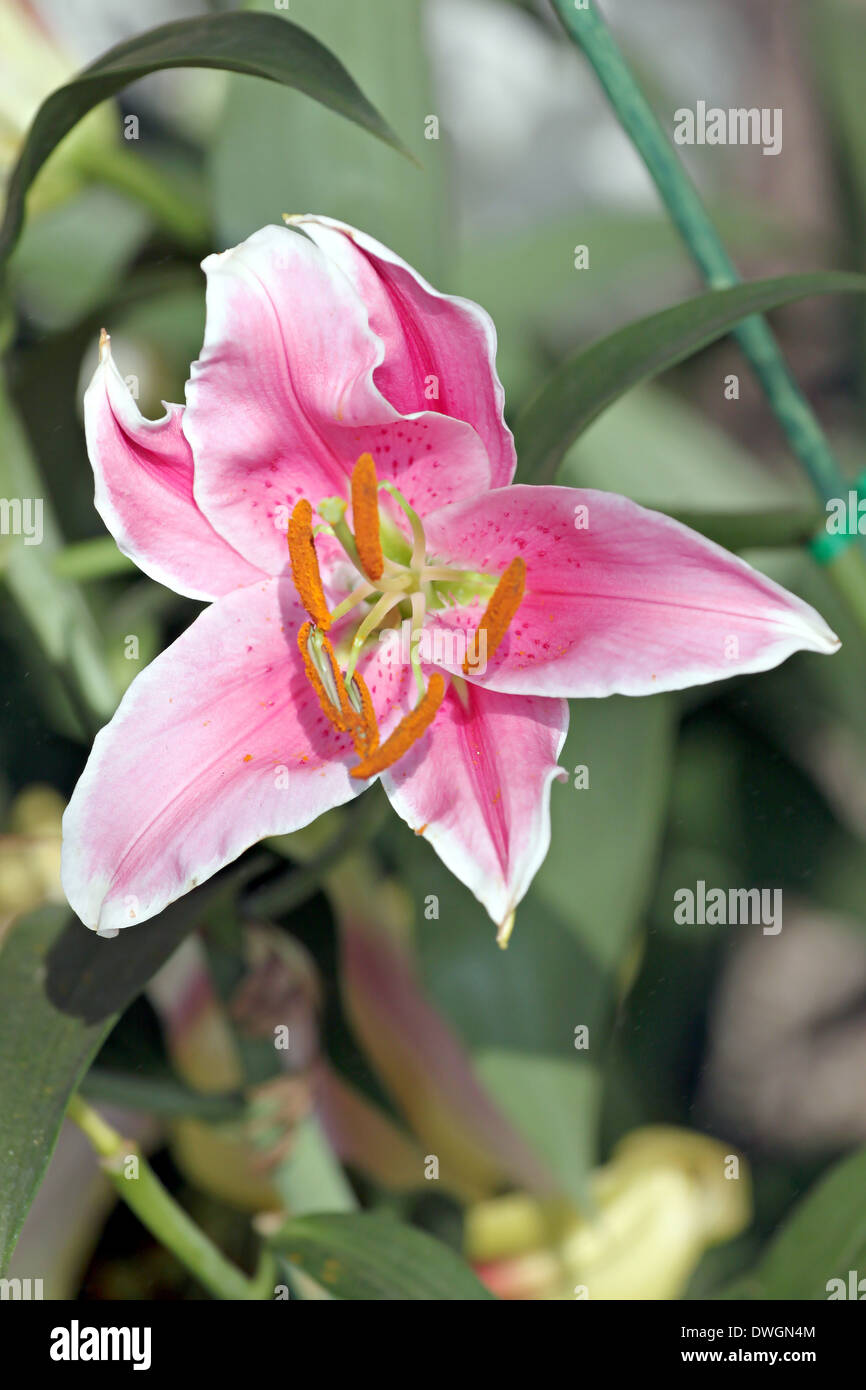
(426,620)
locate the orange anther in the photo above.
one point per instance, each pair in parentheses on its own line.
(305,566)
(366,730)
(365,516)
(504,603)
(341,717)
(407,732)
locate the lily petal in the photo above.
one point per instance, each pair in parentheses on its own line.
(218,743)
(282,401)
(618,599)
(363,1135)
(478,788)
(419,1059)
(144,492)
(433,342)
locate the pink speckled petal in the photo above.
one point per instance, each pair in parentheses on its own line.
(219,742)
(632,603)
(283,401)
(144,492)
(437,346)
(479,787)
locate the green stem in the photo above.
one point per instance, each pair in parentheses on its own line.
(848,573)
(129,172)
(160,1213)
(265,1278)
(694,224)
(682,200)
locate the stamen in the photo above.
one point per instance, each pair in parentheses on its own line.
(419,610)
(504,603)
(365,514)
(305,566)
(370,624)
(349,708)
(357,596)
(366,732)
(408,731)
(326,680)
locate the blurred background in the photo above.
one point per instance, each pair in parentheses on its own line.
(721,1071)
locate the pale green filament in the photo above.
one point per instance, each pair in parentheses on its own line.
(400,584)
(419,547)
(419,611)
(352,600)
(370,624)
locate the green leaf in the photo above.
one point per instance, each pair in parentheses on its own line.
(310,1179)
(823,1240)
(61,992)
(258,45)
(95,979)
(372,1257)
(657,449)
(160,1095)
(526,280)
(745,530)
(605,836)
(336,169)
(590,380)
(43,1055)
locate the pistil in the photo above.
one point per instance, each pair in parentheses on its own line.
(419,540)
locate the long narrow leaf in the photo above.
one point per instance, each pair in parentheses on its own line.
(373,1258)
(592,379)
(255,44)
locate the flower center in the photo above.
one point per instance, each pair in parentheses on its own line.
(396,583)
